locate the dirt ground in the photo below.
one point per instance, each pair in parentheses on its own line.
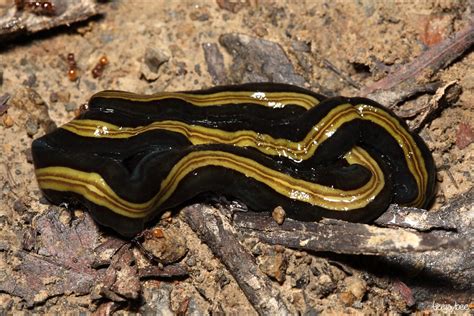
(156,46)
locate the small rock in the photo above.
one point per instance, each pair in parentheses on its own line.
(70,107)
(7,120)
(153,60)
(325,285)
(222,279)
(20,207)
(4,105)
(355,286)
(194,310)
(277,14)
(260,31)
(31,126)
(232,5)
(347,298)
(4,246)
(464,135)
(215,63)
(53,97)
(166,245)
(61,96)
(301,46)
(30,80)
(199,14)
(274,265)
(191,262)
(90,85)
(180,68)
(279,215)
(303,281)
(157,300)
(258,60)
(405,292)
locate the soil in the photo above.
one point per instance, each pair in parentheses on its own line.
(154,46)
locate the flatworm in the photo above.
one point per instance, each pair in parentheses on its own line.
(129,157)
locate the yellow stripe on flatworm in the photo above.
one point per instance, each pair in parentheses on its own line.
(413,156)
(197,135)
(95,189)
(268,99)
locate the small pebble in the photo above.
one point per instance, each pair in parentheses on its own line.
(30,81)
(199,14)
(191,262)
(154,58)
(7,120)
(274,265)
(223,281)
(355,286)
(29,155)
(53,97)
(19,207)
(279,215)
(31,126)
(70,107)
(166,245)
(260,31)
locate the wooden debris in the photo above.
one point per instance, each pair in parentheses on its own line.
(464,135)
(171,271)
(454,265)
(402,83)
(121,281)
(258,60)
(339,236)
(60,260)
(444,96)
(215,230)
(215,63)
(18,22)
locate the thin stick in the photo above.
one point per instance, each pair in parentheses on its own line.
(215,230)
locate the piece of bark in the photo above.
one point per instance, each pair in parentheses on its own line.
(444,96)
(4,103)
(17,22)
(215,230)
(120,281)
(453,267)
(448,218)
(442,275)
(62,263)
(339,236)
(215,63)
(258,60)
(171,271)
(415,218)
(402,83)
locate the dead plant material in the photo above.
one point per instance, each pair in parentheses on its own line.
(215,230)
(403,83)
(340,236)
(17,22)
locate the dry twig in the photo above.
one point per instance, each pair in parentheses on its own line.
(402,83)
(215,230)
(339,236)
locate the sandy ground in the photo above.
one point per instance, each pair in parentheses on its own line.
(363,39)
